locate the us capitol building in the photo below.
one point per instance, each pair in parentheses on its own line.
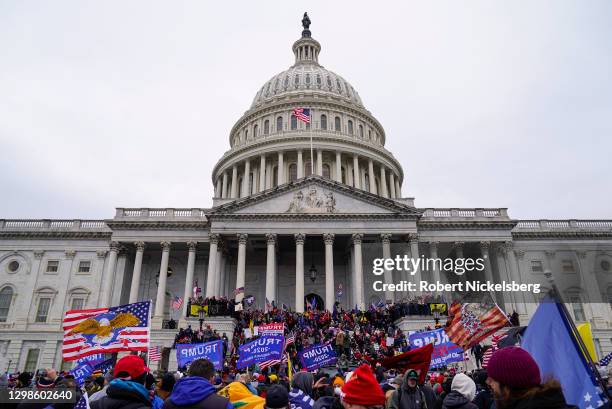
(287,230)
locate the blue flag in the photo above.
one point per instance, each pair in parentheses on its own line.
(213,351)
(104,366)
(444,351)
(266,348)
(550,342)
(81,372)
(318,356)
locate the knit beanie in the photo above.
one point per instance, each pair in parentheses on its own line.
(514,367)
(464,385)
(362,388)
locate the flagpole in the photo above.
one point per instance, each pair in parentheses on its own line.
(149,338)
(576,335)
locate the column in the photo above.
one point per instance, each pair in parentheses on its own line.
(271,267)
(319,162)
(371,178)
(191,246)
(328,238)
(392,186)
(398,188)
(224,188)
(358,270)
(488,272)
(109,275)
(241,267)
(506,298)
(459,249)
(356,175)
(413,239)
(160,300)
(300,165)
(338,167)
(281,169)
(246,178)
(136,274)
(299,272)
(433,253)
(234,181)
(599,310)
(219,269)
(383,182)
(211,272)
(218,188)
(386,249)
(519,298)
(262,173)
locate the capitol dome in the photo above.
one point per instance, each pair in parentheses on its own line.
(337,138)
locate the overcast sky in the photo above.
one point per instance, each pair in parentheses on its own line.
(108,104)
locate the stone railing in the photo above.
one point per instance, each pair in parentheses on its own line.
(559,225)
(123,213)
(464,213)
(53,225)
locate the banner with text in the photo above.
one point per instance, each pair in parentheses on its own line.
(213,351)
(266,348)
(318,356)
(81,372)
(275,328)
(444,351)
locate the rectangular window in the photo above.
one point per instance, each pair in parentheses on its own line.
(536,266)
(567,266)
(31,360)
(84,266)
(52,266)
(43,309)
(577,308)
(77,304)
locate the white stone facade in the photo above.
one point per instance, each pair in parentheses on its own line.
(273,220)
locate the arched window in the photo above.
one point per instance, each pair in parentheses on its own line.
(369,135)
(324,122)
(279,124)
(350,127)
(6,297)
(360,131)
(367,182)
(256,128)
(326,171)
(337,124)
(292,172)
(246,134)
(307,168)
(266,127)
(275,176)
(293,122)
(344,175)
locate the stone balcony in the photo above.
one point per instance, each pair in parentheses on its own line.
(563,228)
(464,214)
(129,214)
(55,228)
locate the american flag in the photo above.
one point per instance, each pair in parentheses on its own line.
(106,330)
(177,303)
(239,290)
(289,340)
(83,403)
(489,352)
(470,323)
(605,360)
(154,353)
(263,365)
(303,114)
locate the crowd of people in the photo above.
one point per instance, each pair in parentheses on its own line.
(512,381)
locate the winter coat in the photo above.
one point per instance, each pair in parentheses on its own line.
(195,392)
(407,398)
(455,400)
(125,395)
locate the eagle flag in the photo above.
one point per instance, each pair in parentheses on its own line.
(470,323)
(106,330)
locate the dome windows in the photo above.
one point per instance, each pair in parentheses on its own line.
(339,86)
(286,85)
(361,131)
(256,129)
(337,127)
(307,80)
(319,81)
(279,124)
(329,83)
(292,172)
(293,123)
(324,122)
(266,127)
(350,127)
(296,81)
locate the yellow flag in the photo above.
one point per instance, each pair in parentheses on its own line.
(240,397)
(587,337)
(289,370)
(252,328)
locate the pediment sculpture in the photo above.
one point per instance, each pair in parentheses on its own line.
(312,203)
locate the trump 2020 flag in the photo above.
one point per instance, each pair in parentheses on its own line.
(106,330)
(266,348)
(550,342)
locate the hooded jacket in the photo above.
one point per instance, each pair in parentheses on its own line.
(195,392)
(125,395)
(455,400)
(550,397)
